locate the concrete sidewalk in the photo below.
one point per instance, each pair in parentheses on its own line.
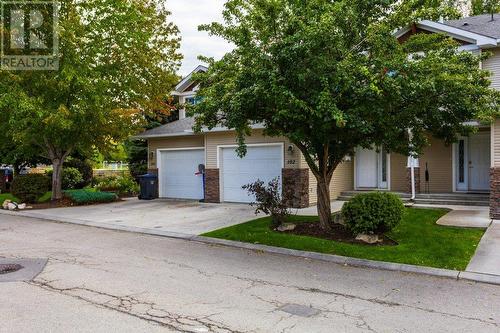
(486,260)
(468,217)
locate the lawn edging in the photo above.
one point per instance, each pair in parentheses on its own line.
(356,262)
(341,260)
(336,259)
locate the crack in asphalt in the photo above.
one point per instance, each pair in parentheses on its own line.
(395,304)
(130,305)
(254,282)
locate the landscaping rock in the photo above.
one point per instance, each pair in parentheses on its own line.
(5,204)
(369,239)
(286,227)
(337,218)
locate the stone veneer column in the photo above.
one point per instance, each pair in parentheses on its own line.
(297,181)
(417,179)
(495,193)
(212,186)
(155,172)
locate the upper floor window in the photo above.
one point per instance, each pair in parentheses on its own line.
(192,100)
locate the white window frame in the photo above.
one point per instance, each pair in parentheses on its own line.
(460,187)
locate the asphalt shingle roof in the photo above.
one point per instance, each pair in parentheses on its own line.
(481,24)
(181,126)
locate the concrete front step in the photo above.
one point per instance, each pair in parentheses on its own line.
(462,199)
(454,196)
(452,202)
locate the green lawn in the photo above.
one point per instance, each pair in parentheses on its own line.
(421,241)
(7,196)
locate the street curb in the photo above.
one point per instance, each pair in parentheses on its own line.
(480,277)
(340,260)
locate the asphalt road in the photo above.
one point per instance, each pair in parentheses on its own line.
(108,281)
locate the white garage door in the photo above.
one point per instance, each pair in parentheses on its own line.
(177,174)
(262,162)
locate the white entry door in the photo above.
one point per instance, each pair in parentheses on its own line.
(479,162)
(366,168)
(177,174)
(260,162)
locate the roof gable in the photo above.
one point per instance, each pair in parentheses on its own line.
(459,34)
(187,82)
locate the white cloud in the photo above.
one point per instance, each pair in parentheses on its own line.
(188,15)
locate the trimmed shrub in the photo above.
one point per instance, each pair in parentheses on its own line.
(85,197)
(270,201)
(45,198)
(85,169)
(28,188)
(122,185)
(373,213)
(71,178)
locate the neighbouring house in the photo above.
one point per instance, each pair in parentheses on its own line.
(468,170)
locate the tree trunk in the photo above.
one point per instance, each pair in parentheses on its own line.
(324,206)
(57,166)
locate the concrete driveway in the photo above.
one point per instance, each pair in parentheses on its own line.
(169,216)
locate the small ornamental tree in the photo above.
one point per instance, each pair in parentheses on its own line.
(331,76)
(117,60)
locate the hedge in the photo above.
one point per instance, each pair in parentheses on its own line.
(84,197)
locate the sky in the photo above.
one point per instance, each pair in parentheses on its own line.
(187,15)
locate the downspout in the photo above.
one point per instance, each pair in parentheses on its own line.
(412,173)
(411,164)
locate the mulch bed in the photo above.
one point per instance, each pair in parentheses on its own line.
(53,204)
(339,233)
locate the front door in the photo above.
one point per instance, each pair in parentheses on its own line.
(479,162)
(367,168)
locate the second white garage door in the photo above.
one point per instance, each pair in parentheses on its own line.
(260,162)
(177,174)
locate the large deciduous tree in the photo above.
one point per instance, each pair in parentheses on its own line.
(331,76)
(117,59)
(479,7)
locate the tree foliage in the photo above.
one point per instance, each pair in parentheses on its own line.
(331,76)
(117,60)
(137,150)
(485,7)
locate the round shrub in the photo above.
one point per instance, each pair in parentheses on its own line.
(373,213)
(85,169)
(28,188)
(71,178)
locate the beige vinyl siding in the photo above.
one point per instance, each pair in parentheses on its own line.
(496,143)
(492,64)
(213,140)
(190,141)
(398,173)
(343,180)
(439,158)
